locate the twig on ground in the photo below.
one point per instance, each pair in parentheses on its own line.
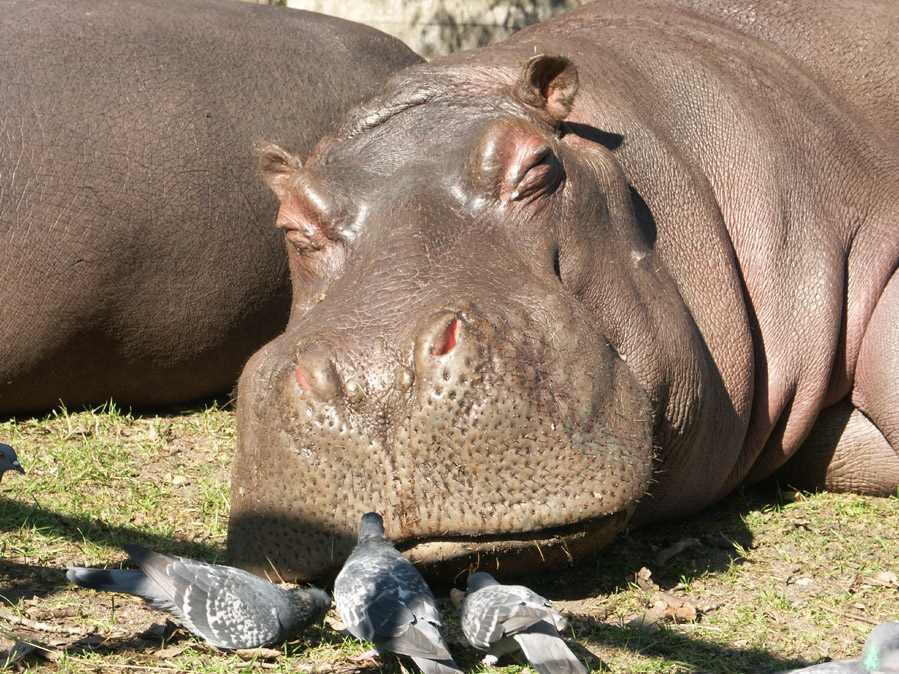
(41,627)
(853,616)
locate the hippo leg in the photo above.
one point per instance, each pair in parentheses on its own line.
(876,391)
(844,452)
(854,446)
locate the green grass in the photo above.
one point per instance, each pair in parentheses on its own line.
(778,582)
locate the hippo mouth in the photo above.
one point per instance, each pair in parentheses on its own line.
(445,559)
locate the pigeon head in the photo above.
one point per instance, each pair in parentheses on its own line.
(9,460)
(883,641)
(372,526)
(320,600)
(480,579)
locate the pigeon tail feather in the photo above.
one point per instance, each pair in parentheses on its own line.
(547,653)
(154,565)
(414,642)
(447,666)
(126,581)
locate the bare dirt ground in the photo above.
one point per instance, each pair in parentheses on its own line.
(765,581)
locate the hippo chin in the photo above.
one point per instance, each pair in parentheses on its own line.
(603,272)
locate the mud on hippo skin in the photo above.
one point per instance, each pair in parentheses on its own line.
(504,335)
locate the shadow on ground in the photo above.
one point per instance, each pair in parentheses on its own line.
(709,542)
(28,580)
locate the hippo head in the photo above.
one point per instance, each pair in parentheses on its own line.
(453,357)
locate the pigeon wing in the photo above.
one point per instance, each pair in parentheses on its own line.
(481,619)
(402,620)
(493,612)
(227,607)
(154,565)
(354,593)
(536,605)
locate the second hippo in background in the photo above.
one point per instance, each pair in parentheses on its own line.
(139,258)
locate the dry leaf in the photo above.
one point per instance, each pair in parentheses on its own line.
(257,653)
(169,652)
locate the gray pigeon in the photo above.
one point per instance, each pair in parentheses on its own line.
(382,598)
(227,607)
(9,460)
(881,654)
(504,618)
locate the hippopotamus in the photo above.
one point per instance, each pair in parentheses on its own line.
(139,259)
(601,273)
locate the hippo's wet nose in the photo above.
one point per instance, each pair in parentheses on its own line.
(448,341)
(316,375)
(443,335)
(439,334)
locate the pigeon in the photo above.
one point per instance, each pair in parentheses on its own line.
(880,655)
(8,460)
(504,618)
(382,598)
(227,607)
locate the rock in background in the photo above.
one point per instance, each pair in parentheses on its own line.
(437,27)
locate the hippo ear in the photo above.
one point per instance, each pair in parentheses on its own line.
(549,84)
(277,166)
(515,162)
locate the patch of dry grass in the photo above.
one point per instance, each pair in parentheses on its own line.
(775,581)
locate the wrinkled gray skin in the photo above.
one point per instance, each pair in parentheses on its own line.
(543,296)
(138,254)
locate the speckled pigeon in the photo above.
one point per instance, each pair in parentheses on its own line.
(382,598)
(881,654)
(8,460)
(503,618)
(227,607)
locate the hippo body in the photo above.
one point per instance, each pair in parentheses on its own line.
(138,256)
(605,271)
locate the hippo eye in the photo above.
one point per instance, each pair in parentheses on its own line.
(515,161)
(304,221)
(541,175)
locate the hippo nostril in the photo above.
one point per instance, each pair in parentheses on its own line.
(448,339)
(302,379)
(316,376)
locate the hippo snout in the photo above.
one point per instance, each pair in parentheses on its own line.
(445,348)
(470,421)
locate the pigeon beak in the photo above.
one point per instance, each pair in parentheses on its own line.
(18,466)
